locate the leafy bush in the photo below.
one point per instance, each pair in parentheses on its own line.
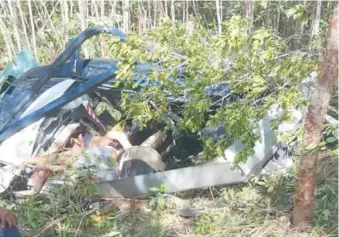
(258,68)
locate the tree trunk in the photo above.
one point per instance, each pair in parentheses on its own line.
(173,12)
(195,7)
(140,19)
(149,20)
(49,19)
(23,24)
(87,10)
(221,12)
(278,22)
(6,32)
(82,21)
(103,45)
(187,11)
(65,5)
(316,23)
(217,4)
(96,10)
(314,122)
(302,25)
(166,9)
(113,14)
(183,12)
(71,9)
(7,38)
(154,13)
(249,14)
(15,24)
(32,28)
(126,16)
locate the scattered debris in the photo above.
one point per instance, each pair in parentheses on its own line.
(189,213)
(49,126)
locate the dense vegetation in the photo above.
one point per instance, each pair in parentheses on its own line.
(262,49)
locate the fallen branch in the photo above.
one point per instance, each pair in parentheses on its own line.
(112,234)
(50,225)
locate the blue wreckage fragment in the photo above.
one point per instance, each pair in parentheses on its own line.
(41,102)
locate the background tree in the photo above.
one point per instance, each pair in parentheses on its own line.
(314,123)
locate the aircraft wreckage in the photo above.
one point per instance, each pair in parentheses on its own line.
(42,108)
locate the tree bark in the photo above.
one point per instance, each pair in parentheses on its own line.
(15,24)
(65,6)
(126,16)
(249,14)
(23,24)
(96,10)
(316,23)
(103,45)
(166,8)
(314,122)
(32,28)
(173,11)
(82,14)
(149,20)
(217,4)
(221,12)
(278,22)
(82,21)
(154,13)
(71,8)
(183,12)
(6,32)
(7,38)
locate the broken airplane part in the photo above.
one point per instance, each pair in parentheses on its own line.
(42,108)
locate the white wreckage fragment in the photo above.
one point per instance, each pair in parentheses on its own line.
(99,159)
(261,161)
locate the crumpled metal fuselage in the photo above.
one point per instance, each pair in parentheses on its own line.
(48,92)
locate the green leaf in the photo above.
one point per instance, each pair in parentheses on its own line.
(331,140)
(311,147)
(154,189)
(152,202)
(290,12)
(161,203)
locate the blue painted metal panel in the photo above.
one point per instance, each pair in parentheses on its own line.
(69,96)
(59,62)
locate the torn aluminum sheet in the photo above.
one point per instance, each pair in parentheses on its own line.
(255,163)
(174,180)
(20,146)
(7,174)
(15,166)
(259,162)
(281,161)
(62,134)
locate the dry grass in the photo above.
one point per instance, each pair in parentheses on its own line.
(261,208)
